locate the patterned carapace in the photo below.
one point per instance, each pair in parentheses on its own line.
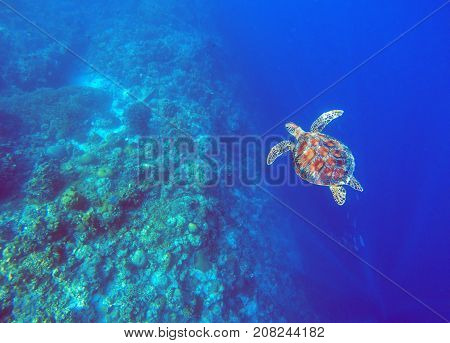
(322,160)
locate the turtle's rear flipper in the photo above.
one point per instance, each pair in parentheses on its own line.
(278,150)
(339,194)
(352,182)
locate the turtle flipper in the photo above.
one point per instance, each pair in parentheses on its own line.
(352,182)
(279,149)
(339,194)
(324,119)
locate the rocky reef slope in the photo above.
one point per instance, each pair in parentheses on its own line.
(82,238)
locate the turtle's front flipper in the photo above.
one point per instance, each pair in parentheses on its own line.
(324,119)
(352,182)
(279,149)
(294,130)
(338,194)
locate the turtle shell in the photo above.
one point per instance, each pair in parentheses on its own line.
(323,160)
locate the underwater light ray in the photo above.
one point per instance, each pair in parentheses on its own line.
(357,67)
(87,63)
(375,269)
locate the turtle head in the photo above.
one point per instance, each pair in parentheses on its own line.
(294,130)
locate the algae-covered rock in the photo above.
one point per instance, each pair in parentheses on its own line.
(138,258)
(107,214)
(87,158)
(89,221)
(180,220)
(165,260)
(130,196)
(192,227)
(194,240)
(104,172)
(72,199)
(159,279)
(171,221)
(46,181)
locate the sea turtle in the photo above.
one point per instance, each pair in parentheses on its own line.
(319,158)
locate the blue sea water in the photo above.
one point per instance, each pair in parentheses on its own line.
(396,126)
(82,240)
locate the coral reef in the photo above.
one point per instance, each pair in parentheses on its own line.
(46,181)
(58,113)
(137,117)
(85,240)
(10,173)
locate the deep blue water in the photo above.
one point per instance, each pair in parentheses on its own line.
(396,124)
(284,58)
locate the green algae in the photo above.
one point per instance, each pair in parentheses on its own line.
(104,172)
(72,199)
(192,227)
